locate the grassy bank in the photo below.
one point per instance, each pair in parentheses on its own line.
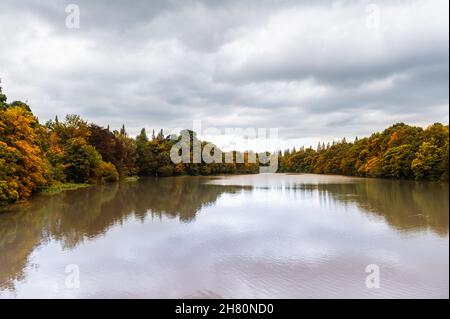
(59,187)
(130,179)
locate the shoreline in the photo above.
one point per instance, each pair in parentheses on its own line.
(63,187)
(59,188)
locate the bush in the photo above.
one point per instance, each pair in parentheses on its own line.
(165,171)
(107,173)
(8,192)
(205,170)
(81,160)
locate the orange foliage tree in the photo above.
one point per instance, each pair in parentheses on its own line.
(22,168)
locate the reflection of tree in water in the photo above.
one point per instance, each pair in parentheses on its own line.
(19,235)
(405,205)
(74,216)
(91,213)
(172,197)
(71,217)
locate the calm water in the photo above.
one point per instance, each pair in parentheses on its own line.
(260,236)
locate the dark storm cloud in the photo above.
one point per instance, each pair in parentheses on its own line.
(313,69)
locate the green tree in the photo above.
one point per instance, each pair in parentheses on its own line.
(146,161)
(426,164)
(396,162)
(81,160)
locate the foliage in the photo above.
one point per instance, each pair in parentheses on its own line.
(400,151)
(166,170)
(22,168)
(81,160)
(44,157)
(59,187)
(426,163)
(396,161)
(106,172)
(114,147)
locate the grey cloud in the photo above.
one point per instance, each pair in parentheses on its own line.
(310,68)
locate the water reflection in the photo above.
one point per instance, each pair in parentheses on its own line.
(76,217)
(408,206)
(405,205)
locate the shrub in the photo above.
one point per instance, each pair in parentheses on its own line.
(81,160)
(107,173)
(166,170)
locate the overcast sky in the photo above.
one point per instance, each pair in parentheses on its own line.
(316,70)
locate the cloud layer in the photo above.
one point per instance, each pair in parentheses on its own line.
(317,70)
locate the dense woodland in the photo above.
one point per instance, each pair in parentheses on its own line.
(34,156)
(400,151)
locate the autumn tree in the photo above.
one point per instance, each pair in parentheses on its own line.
(396,162)
(22,168)
(81,160)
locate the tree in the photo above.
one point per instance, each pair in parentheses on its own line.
(437,134)
(146,161)
(444,165)
(104,142)
(106,172)
(426,164)
(81,160)
(21,105)
(396,152)
(3,104)
(125,154)
(373,167)
(22,168)
(396,162)
(73,126)
(123,131)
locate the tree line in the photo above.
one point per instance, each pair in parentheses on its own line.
(400,152)
(34,156)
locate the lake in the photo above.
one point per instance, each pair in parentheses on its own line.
(252,236)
